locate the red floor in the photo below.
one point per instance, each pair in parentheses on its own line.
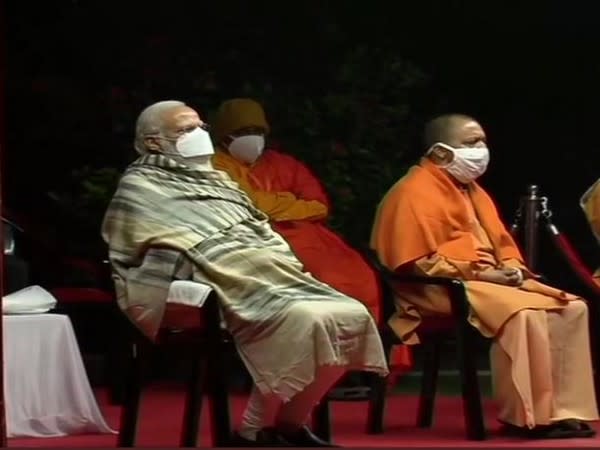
(162,406)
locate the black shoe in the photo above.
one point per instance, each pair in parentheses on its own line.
(267,437)
(303,437)
(537,432)
(573,428)
(240,441)
(563,429)
(270,437)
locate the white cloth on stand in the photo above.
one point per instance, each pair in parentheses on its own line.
(46,387)
(30,300)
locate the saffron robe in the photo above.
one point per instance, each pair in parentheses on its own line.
(427,218)
(540,355)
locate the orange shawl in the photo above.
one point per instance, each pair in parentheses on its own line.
(425,213)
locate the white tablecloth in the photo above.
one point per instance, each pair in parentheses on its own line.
(46,387)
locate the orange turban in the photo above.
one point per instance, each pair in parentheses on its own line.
(236,114)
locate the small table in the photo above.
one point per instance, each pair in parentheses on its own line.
(47,391)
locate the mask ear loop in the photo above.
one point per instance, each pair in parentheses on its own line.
(440,144)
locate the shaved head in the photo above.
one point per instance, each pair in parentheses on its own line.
(454,130)
(443,129)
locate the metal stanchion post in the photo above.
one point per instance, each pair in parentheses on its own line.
(531,213)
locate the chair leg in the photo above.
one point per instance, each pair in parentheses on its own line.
(133,391)
(117,361)
(376,407)
(321,420)
(474,420)
(431,365)
(219,400)
(218,389)
(193,406)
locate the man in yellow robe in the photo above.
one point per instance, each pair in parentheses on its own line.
(437,221)
(297,205)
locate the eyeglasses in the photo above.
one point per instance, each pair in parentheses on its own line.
(182,131)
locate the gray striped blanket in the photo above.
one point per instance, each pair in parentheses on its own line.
(165,216)
(168,221)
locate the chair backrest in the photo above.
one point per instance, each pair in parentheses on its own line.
(10,230)
(388,302)
(373,259)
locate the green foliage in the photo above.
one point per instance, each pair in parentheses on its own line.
(91,190)
(357,136)
(97,184)
(354,128)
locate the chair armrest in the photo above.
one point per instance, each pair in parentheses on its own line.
(455,288)
(423,279)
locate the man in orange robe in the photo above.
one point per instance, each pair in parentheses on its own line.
(438,221)
(297,204)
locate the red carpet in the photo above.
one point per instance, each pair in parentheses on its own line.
(162,407)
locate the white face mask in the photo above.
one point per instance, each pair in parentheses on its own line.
(195,143)
(468,164)
(247,148)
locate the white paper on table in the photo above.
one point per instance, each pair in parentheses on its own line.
(30,300)
(189,293)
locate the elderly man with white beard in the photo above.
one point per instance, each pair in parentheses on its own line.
(296,335)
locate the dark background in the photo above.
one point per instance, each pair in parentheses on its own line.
(78,73)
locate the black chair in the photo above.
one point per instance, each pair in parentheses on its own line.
(197,334)
(433,332)
(93,309)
